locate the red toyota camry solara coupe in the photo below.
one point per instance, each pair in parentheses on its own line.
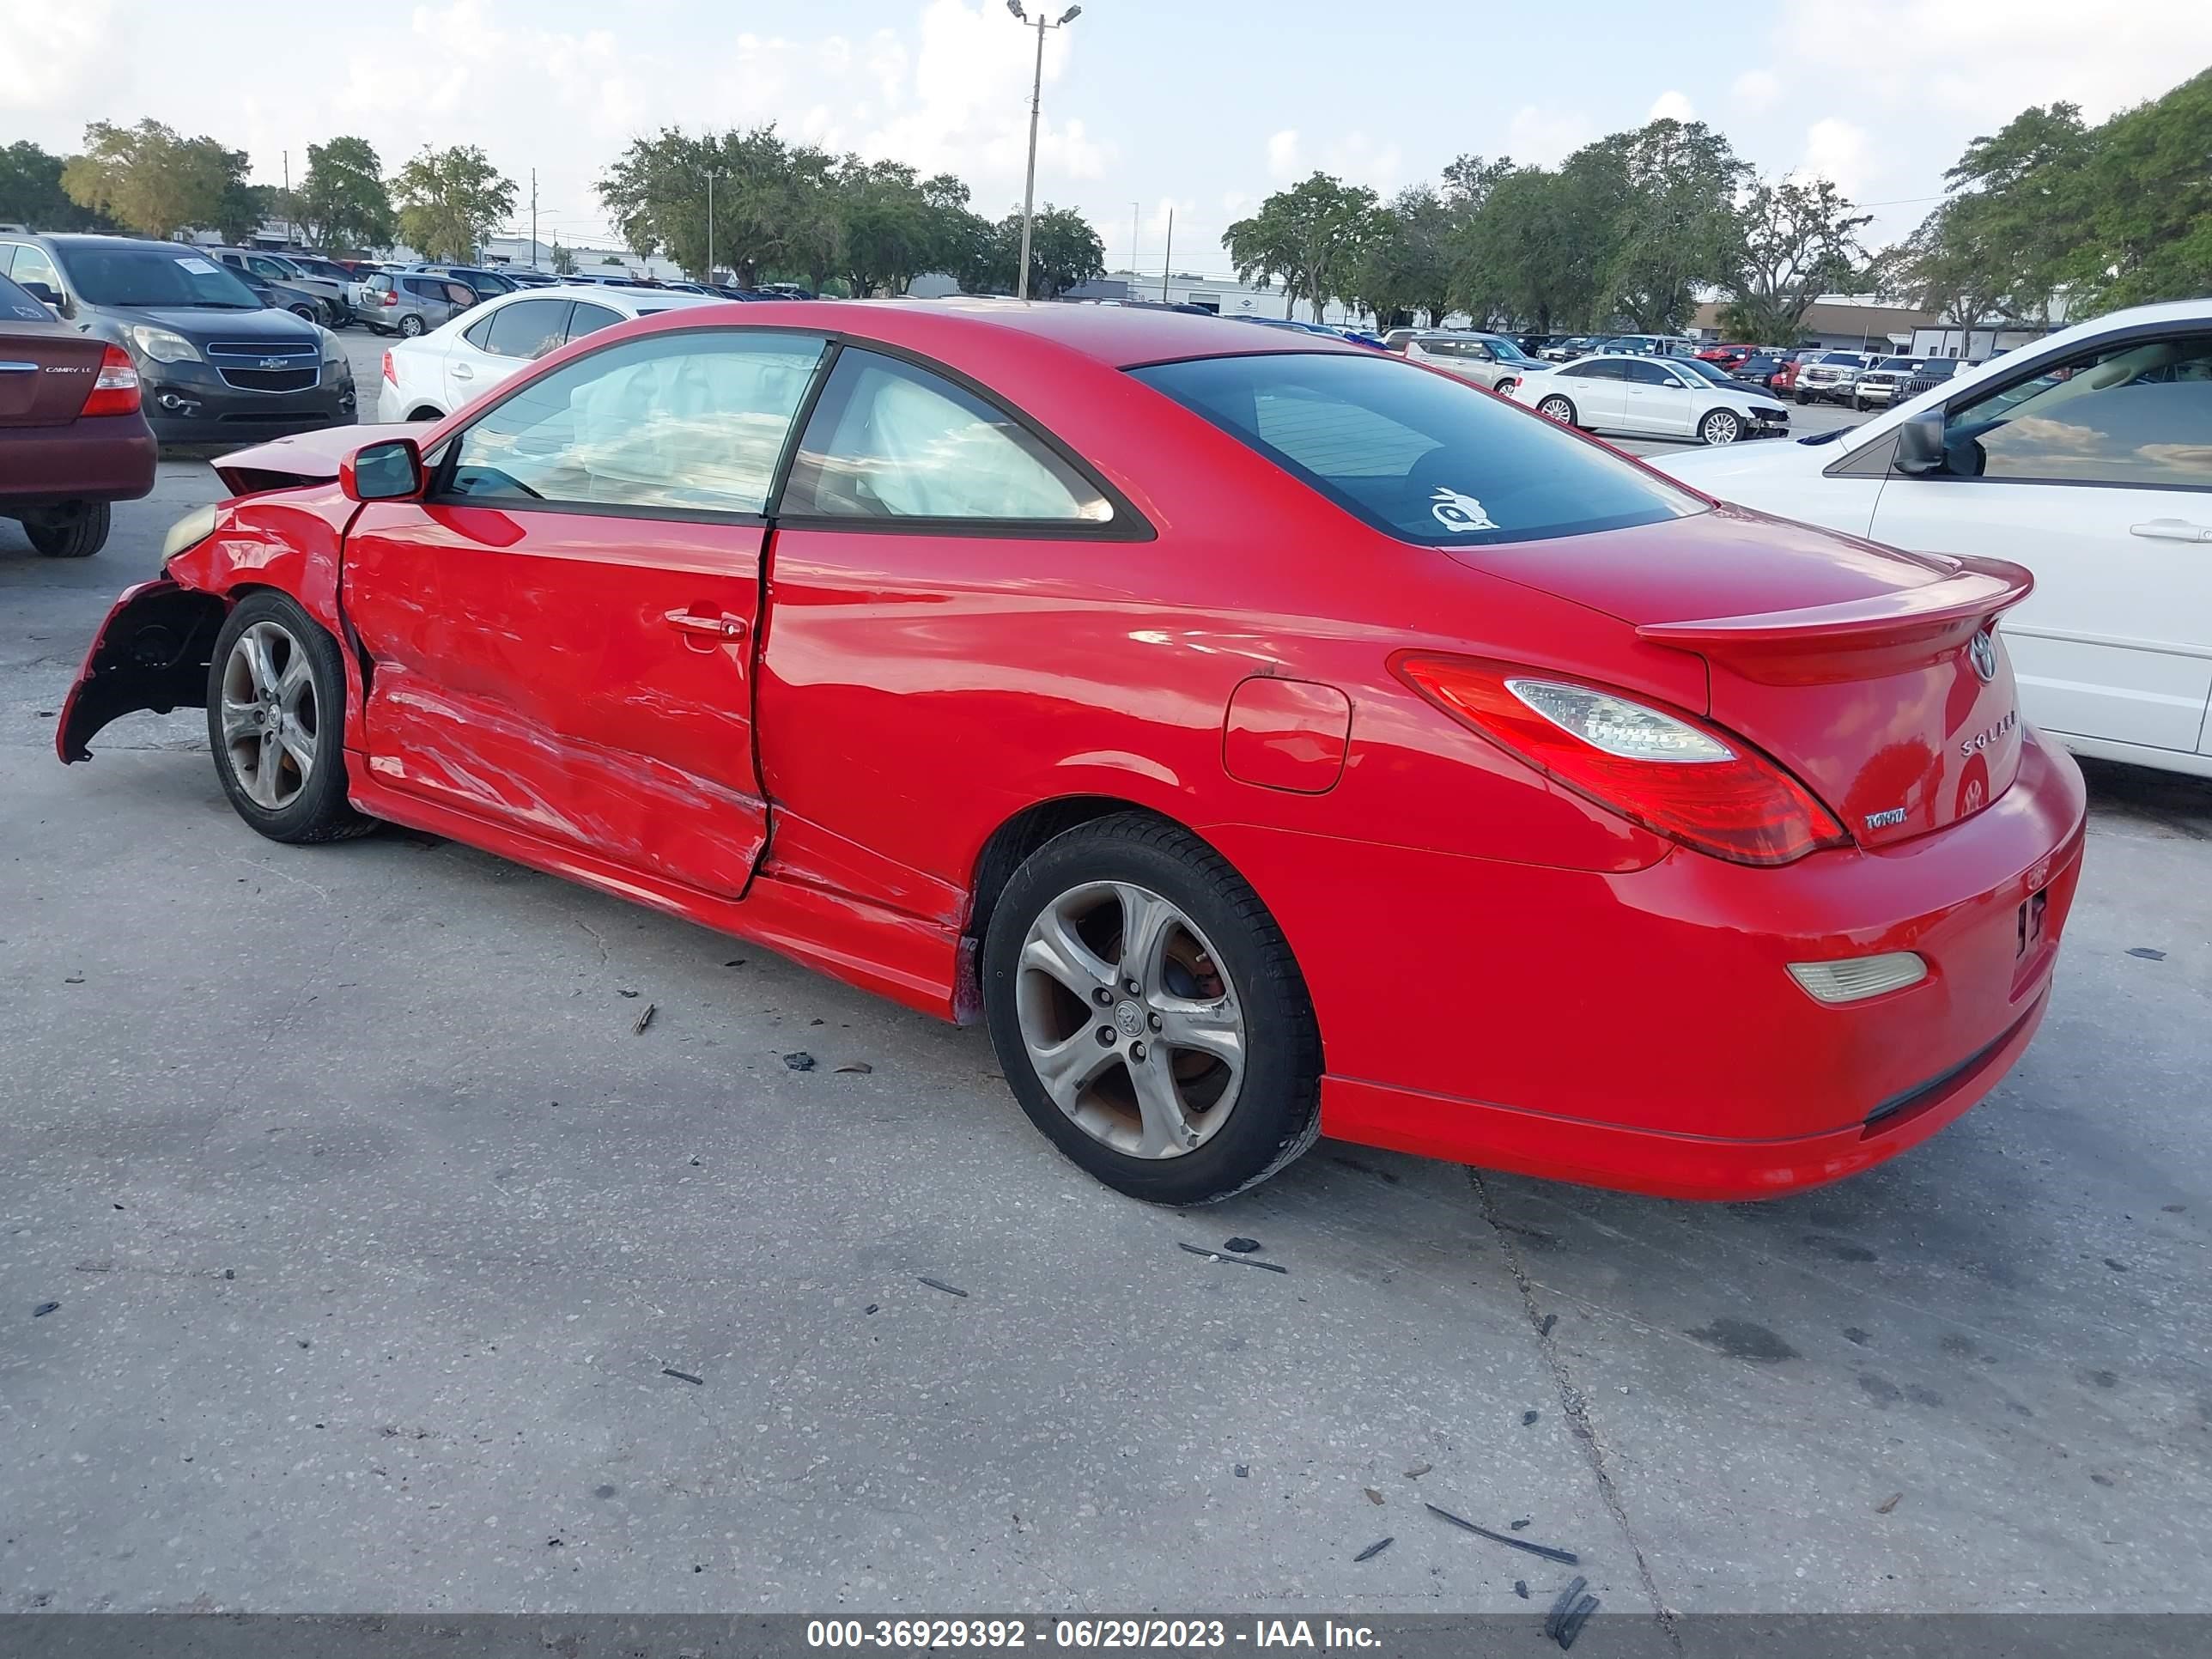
(1267,738)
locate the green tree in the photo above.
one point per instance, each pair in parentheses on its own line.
(450,200)
(342,204)
(2141,202)
(1407,264)
(148,179)
(1064,250)
(888,231)
(564,262)
(657,193)
(1799,241)
(1676,228)
(31,193)
(1309,237)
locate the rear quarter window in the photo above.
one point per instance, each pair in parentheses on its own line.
(1425,458)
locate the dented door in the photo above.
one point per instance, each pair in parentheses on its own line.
(586,681)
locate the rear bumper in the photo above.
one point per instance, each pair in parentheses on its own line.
(102,457)
(1641,1030)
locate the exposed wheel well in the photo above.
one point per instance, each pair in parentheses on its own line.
(424,412)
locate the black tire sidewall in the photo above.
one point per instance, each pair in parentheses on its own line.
(321,810)
(1276,1115)
(82,532)
(1556,398)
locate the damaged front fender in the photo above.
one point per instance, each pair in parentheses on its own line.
(153,653)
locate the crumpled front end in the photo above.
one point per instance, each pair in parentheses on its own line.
(152,652)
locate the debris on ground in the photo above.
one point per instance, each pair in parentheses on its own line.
(684,1377)
(1545,1329)
(230,1272)
(801,1061)
(1521,1587)
(1526,1417)
(2142,951)
(939,1284)
(1241,1246)
(1374,1549)
(1373,1496)
(1888,1503)
(44,1308)
(735,962)
(1243,1471)
(856,1065)
(1570,1613)
(1521,1525)
(74,979)
(1419,1470)
(625,993)
(1235,1260)
(871,1308)
(1566,1557)
(645,1019)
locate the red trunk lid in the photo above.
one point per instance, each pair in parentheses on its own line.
(1868,672)
(46,371)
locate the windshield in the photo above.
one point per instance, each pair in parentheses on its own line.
(153,277)
(1699,367)
(1426,457)
(1506,352)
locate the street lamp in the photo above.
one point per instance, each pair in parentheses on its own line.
(1037,96)
(713,173)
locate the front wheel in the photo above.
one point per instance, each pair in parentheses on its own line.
(306,315)
(1148,1014)
(1721,427)
(75,531)
(1558,409)
(276,720)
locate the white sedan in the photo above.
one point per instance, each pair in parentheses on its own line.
(432,375)
(2086,457)
(1653,397)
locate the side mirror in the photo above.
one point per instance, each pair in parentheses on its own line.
(388,472)
(1920,451)
(46,295)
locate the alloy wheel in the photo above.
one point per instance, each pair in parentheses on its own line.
(1129,1019)
(1722,427)
(1558,408)
(270,718)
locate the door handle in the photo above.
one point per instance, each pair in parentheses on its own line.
(462,371)
(724,627)
(2172,530)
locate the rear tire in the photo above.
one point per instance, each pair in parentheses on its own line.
(276,710)
(411,327)
(75,531)
(1136,1108)
(1558,409)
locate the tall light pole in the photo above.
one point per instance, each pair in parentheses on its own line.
(1037,99)
(713,173)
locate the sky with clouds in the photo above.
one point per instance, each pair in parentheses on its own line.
(1148,106)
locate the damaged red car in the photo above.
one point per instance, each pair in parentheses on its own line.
(1266,738)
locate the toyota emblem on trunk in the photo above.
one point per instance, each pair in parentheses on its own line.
(1984,651)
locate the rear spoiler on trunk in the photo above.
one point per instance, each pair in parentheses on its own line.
(1906,628)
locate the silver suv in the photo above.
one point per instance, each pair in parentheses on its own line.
(412,302)
(1832,374)
(1488,360)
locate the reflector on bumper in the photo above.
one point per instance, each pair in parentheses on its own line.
(1859,977)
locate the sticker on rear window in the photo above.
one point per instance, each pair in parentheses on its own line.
(197,267)
(1456,511)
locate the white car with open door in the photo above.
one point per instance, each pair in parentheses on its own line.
(2088,457)
(1653,397)
(430,376)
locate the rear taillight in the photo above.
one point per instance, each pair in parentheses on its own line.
(388,374)
(389,297)
(1656,767)
(115,390)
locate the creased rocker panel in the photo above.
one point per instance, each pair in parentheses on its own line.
(885,652)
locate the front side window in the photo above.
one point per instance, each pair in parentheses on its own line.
(2134,413)
(524,328)
(1599,369)
(1641,372)
(1425,458)
(691,422)
(892,441)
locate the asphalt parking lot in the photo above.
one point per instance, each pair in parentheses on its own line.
(397,1269)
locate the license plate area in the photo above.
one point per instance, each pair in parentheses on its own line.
(2032,948)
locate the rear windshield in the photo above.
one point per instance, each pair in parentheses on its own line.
(1424,457)
(153,277)
(17,306)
